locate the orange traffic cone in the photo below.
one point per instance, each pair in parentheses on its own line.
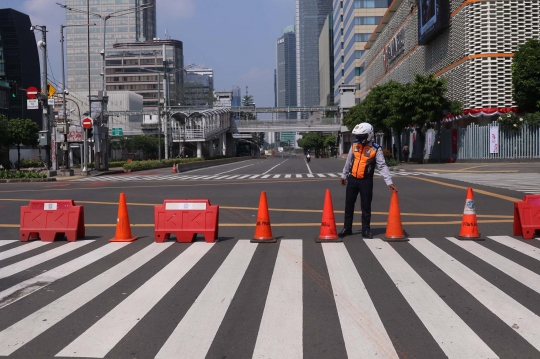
(123,228)
(394,229)
(469,225)
(263,231)
(174,168)
(328,231)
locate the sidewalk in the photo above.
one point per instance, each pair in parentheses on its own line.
(530,167)
(93,173)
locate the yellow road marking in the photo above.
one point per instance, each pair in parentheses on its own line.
(314,224)
(476,190)
(284,209)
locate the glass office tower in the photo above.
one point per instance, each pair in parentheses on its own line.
(286,71)
(136,26)
(309,21)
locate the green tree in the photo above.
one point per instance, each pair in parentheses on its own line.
(22,132)
(4,142)
(526,76)
(247,101)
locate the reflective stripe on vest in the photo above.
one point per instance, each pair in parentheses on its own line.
(363,165)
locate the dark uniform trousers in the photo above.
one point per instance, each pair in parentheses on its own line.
(365,188)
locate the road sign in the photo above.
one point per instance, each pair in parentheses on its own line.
(87,122)
(50,90)
(117,131)
(50,102)
(32,104)
(31,92)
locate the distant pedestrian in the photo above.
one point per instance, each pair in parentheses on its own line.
(394,151)
(405,153)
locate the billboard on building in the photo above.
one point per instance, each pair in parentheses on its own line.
(433,17)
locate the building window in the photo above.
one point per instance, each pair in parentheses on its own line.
(369,4)
(358,53)
(342,72)
(364,37)
(358,71)
(131,62)
(341,4)
(367,20)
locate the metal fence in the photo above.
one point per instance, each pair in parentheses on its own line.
(473,143)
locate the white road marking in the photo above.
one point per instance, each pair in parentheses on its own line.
(519,246)
(287,176)
(22,249)
(265,176)
(6,242)
(276,176)
(237,168)
(280,331)
(310,175)
(242,177)
(321,175)
(275,166)
(332,175)
(196,331)
(298,175)
(522,320)
(31,285)
(22,332)
(514,270)
(363,331)
(99,339)
(455,338)
(254,176)
(40,258)
(308,168)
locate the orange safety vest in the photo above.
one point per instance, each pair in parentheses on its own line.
(363,165)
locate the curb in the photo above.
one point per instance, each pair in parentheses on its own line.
(18,180)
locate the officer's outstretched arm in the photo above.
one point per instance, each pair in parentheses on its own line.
(383,168)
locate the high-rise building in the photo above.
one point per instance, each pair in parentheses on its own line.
(286,93)
(19,64)
(354,22)
(134,26)
(133,67)
(326,62)
(309,21)
(199,87)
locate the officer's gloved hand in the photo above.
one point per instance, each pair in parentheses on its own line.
(343,181)
(391,187)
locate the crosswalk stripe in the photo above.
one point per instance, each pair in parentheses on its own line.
(332,175)
(280,331)
(233,176)
(40,258)
(287,176)
(99,339)
(310,175)
(20,333)
(298,175)
(6,242)
(455,338)
(276,176)
(519,273)
(22,249)
(33,284)
(242,177)
(512,313)
(254,176)
(321,175)
(194,334)
(362,328)
(517,245)
(265,176)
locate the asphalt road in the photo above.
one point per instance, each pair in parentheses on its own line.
(430,297)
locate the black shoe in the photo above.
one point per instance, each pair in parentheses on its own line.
(367,234)
(345,232)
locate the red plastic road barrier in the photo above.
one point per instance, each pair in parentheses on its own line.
(185,218)
(47,218)
(527,216)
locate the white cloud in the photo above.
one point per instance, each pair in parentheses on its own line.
(175,8)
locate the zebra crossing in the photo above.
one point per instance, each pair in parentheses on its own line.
(521,182)
(177,177)
(486,275)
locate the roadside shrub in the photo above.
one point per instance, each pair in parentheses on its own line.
(26,163)
(138,165)
(8,174)
(390,162)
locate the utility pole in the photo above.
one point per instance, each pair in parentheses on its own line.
(165,98)
(44,93)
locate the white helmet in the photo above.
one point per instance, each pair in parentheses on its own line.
(364,132)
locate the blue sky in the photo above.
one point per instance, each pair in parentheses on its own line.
(236,38)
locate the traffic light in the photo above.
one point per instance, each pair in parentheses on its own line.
(90,133)
(13,89)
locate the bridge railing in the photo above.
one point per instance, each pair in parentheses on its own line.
(263,124)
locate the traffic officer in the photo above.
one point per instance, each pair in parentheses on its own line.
(358,176)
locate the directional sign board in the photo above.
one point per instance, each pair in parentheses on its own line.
(50,90)
(117,131)
(32,104)
(87,122)
(31,92)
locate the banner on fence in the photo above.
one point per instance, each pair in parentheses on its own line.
(430,141)
(494,139)
(455,133)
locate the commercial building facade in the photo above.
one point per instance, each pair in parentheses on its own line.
(326,62)
(198,87)
(309,21)
(286,71)
(19,64)
(136,26)
(354,22)
(135,67)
